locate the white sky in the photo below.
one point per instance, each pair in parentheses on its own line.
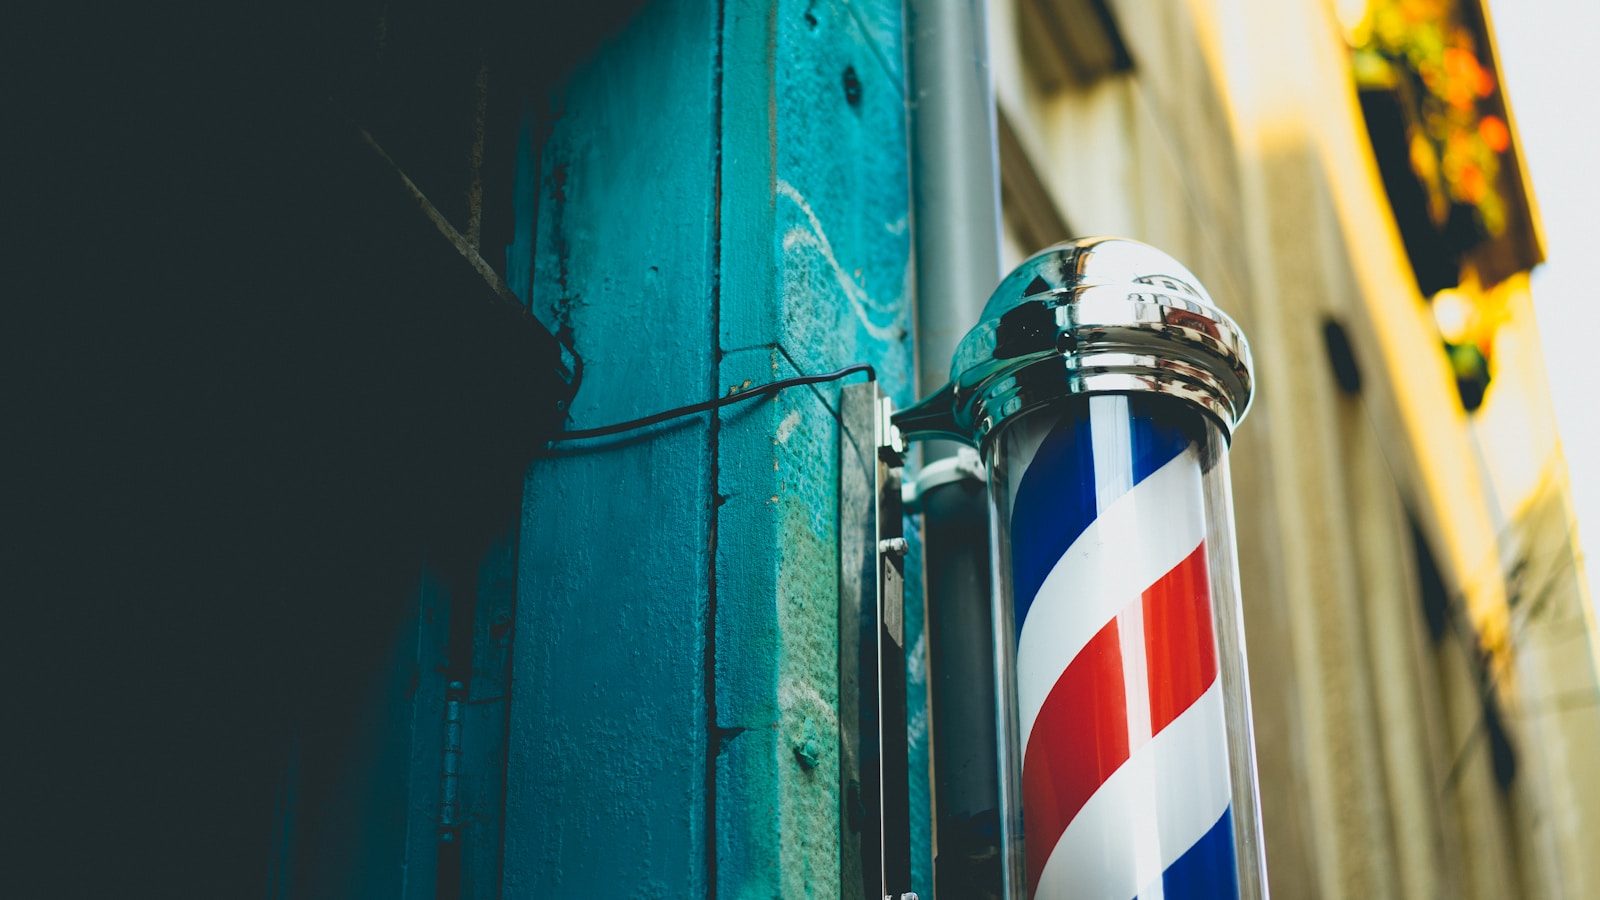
(1549,51)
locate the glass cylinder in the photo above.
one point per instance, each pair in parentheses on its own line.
(1120,648)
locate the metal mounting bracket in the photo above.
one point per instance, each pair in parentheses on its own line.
(875,833)
(965,465)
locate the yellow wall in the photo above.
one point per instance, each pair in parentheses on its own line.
(1236,143)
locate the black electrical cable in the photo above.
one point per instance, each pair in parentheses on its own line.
(760,390)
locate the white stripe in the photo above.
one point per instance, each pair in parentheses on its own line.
(1186,767)
(1136,540)
(1111,442)
(1136,689)
(1135,672)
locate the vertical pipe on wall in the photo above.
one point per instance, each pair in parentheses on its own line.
(961,678)
(955,174)
(956,228)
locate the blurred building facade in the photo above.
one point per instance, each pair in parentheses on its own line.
(1420,638)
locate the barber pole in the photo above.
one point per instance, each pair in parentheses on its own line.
(1125,774)
(1103,386)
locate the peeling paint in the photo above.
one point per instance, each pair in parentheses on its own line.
(787,426)
(817,238)
(803,698)
(820,280)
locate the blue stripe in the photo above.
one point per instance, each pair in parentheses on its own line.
(1055,500)
(1206,871)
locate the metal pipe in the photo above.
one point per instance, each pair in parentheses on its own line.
(956,229)
(955,181)
(962,684)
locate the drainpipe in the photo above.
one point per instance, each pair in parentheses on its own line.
(956,221)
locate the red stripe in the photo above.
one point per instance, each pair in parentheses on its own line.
(1180,651)
(1079,738)
(1081,734)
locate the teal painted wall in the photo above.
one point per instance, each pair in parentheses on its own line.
(718,198)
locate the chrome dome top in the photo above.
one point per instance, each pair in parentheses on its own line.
(1090,316)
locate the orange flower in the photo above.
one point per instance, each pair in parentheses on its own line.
(1472,183)
(1463,75)
(1494,132)
(1486,345)
(1461,64)
(1458,149)
(1485,82)
(1420,10)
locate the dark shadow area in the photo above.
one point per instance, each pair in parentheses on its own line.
(254,385)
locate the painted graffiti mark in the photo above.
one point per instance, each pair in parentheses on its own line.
(860,302)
